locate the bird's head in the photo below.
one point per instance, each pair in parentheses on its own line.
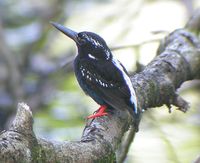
(89,44)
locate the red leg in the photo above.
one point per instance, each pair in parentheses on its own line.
(100,112)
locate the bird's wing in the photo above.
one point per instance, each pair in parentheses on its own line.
(112,86)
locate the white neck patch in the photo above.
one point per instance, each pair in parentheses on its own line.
(91,56)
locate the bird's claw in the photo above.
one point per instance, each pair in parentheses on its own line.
(100,112)
(96,115)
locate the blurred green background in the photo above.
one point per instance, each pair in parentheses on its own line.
(36,67)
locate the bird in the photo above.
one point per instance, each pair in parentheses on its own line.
(101,75)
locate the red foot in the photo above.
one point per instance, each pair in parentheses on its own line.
(100,112)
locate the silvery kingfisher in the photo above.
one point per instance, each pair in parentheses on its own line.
(101,75)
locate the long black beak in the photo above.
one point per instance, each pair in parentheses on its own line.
(72,34)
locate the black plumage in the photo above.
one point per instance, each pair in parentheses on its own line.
(100,75)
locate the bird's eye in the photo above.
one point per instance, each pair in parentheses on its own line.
(81,40)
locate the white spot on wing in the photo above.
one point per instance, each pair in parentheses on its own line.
(128,82)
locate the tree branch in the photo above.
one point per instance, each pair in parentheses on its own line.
(177,61)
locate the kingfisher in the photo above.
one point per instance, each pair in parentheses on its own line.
(101,75)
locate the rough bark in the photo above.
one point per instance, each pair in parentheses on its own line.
(178,60)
